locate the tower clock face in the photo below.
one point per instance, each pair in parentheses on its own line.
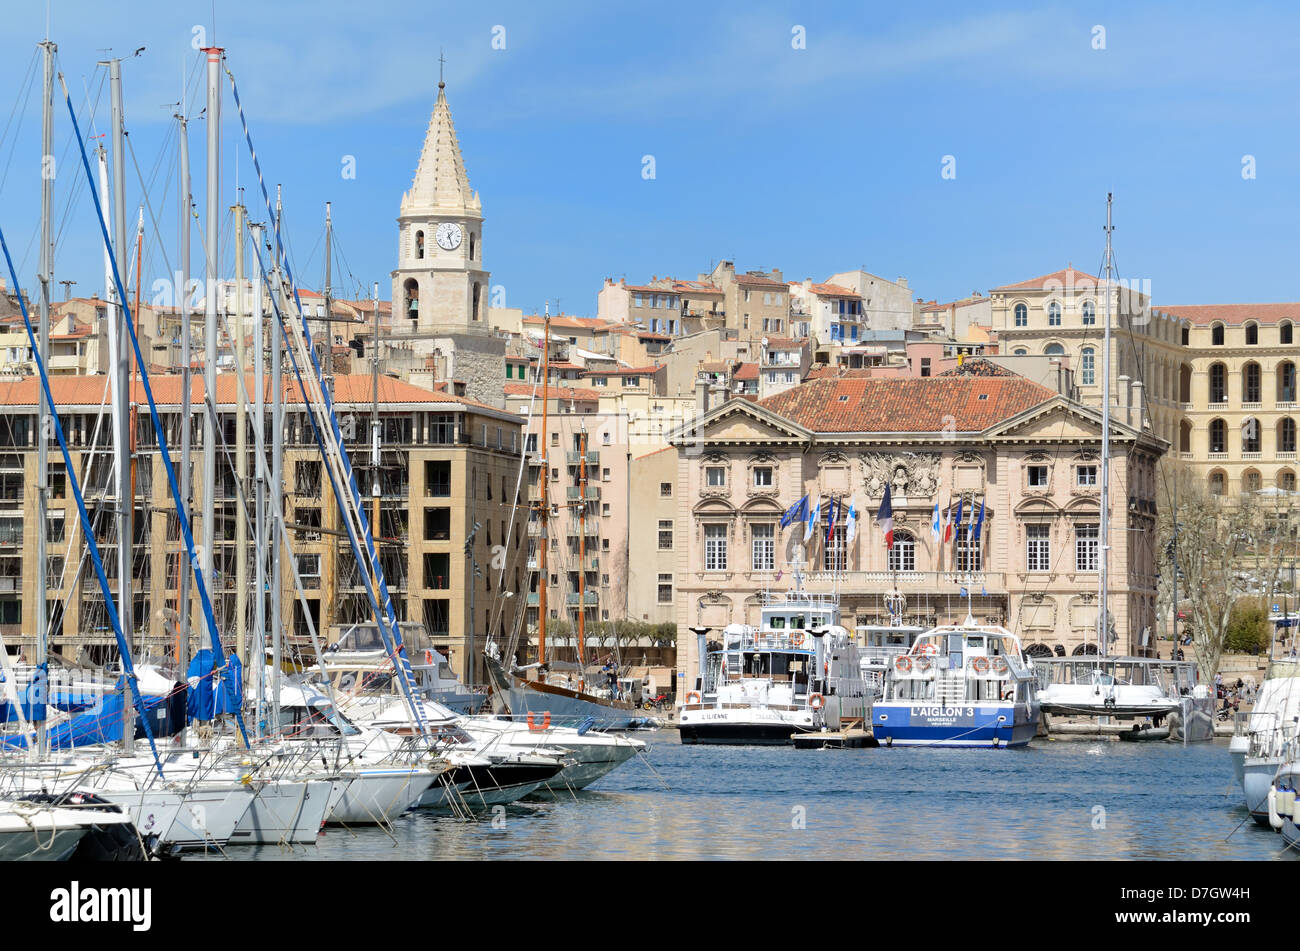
(448,236)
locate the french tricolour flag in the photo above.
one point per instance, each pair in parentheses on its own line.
(885,518)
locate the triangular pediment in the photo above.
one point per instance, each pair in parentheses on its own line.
(738,421)
(1060,420)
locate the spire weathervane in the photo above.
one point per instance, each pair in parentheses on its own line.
(441,61)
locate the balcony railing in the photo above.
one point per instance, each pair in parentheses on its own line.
(592,598)
(859,582)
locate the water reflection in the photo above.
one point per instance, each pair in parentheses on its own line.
(1057,800)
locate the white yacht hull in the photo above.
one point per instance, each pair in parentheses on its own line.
(376,796)
(746,726)
(285,813)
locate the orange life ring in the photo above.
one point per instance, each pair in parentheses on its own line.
(546,721)
(928,649)
(693,693)
(981,664)
(925,663)
(999,665)
(797,639)
(428,657)
(903,664)
(816,701)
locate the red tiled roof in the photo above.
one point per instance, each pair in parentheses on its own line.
(89,391)
(1206,314)
(553,392)
(834,290)
(1068,277)
(572,323)
(747,371)
(760,281)
(784,343)
(907,405)
(623,371)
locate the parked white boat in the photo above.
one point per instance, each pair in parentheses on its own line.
(1260,745)
(43,832)
(1128,688)
(797,672)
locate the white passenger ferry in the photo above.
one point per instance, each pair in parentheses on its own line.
(797,672)
(959,685)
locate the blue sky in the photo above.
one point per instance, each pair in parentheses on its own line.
(812,160)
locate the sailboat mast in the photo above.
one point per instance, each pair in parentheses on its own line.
(1103,625)
(582,553)
(276,517)
(544,506)
(259,510)
(241,440)
(122,398)
(375,488)
(187,448)
(43,409)
(211,272)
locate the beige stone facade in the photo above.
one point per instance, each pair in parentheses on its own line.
(1027,454)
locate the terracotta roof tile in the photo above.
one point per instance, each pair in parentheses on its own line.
(907,405)
(553,392)
(89,391)
(1068,277)
(747,371)
(759,280)
(1206,314)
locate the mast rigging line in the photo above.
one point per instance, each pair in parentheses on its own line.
(163,449)
(391,634)
(128,667)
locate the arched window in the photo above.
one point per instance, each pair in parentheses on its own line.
(1088,367)
(419,244)
(1284,334)
(1089,312)
(1187,336)
(1218,383)
(1021,352)
(1250,434)
(1251,481)
(471,246)
(1286,480)
(1252,334)
(1250,387)
(1054,350)
(1218,483)
(1185,436)
(1286,434)
(411,291)
(1216,335)
(1054,314)
(1218,436)
(1022,315)
(1184,383)
(1286,382)
(902,556)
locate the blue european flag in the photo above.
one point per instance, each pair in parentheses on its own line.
(962,593)
(795,513)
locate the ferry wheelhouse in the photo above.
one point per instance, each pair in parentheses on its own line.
(796,672)
(959,685)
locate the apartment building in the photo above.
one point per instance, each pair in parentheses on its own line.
(447,463)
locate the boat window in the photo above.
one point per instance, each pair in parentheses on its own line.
(778,623)
(797,621)
(954,643)
(974,642)
(445,672)
(347,680)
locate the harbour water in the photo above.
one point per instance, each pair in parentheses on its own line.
(1054,800)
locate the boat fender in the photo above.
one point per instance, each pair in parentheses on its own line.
(816,701)
(1274,819)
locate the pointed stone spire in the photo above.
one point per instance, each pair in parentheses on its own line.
(441,185)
